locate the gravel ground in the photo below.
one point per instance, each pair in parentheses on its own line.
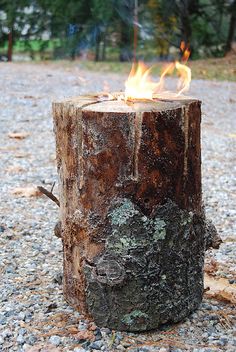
(33,313)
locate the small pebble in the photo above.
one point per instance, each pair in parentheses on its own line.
(55,340)
(20,339)
(96,345)
(2,319)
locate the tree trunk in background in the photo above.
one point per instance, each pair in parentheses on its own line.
(126,42)
(104,45)
(185,9)
(135,30)
(186,30)
(133,226)
(10,46)
(185,25)
(97,47)
(232,26)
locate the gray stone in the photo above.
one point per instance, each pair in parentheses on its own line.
(21,316)
(2,319)
(118,337)
(20,339)
(98,334)
(96,345)
(2,228)
(224,340)
(55,340)
(31,339)
(22,331)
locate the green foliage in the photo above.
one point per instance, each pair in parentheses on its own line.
(165,23)
(69,28)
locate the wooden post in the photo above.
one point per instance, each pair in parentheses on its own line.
(133,226)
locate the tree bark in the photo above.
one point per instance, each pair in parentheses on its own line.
(97,50)
(10,46)
(126,53)
(185,9)
(104,45)
(132,221)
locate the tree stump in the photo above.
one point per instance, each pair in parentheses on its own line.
(133,226)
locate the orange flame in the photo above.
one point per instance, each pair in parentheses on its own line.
(140,85)
(186,52)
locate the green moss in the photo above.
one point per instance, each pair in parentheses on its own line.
(160,231)
(121,214)
(130,228)
(129,319)
(186,219)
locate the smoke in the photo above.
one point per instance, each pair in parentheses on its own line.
(82,37)
(125,10)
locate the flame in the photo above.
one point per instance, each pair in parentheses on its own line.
(186,52)
(185,78)
(182,46)
(183,70)
(140,85)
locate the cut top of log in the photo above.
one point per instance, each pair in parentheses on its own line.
(105,104)
(120,106)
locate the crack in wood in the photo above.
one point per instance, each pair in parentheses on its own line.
(80,143)
(186,136)
(138,120)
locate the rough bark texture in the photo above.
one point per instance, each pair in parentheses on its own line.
(132,223)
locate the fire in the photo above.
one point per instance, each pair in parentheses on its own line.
(186,52)
(185,78)
(140,85)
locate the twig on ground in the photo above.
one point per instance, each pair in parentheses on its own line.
(49,194)
(52,188)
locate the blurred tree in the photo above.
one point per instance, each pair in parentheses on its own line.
(232,26)
(209,26)
(127,17)
(76,26)
(185,9)
(125,20)
(68,20)
(165,22)
(11,22)
(102,13)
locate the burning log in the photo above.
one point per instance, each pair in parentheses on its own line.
(132,222)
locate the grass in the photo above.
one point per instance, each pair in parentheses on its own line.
(211,69)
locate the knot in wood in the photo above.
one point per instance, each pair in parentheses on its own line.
(110,272)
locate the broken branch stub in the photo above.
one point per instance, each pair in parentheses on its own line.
(132,221)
